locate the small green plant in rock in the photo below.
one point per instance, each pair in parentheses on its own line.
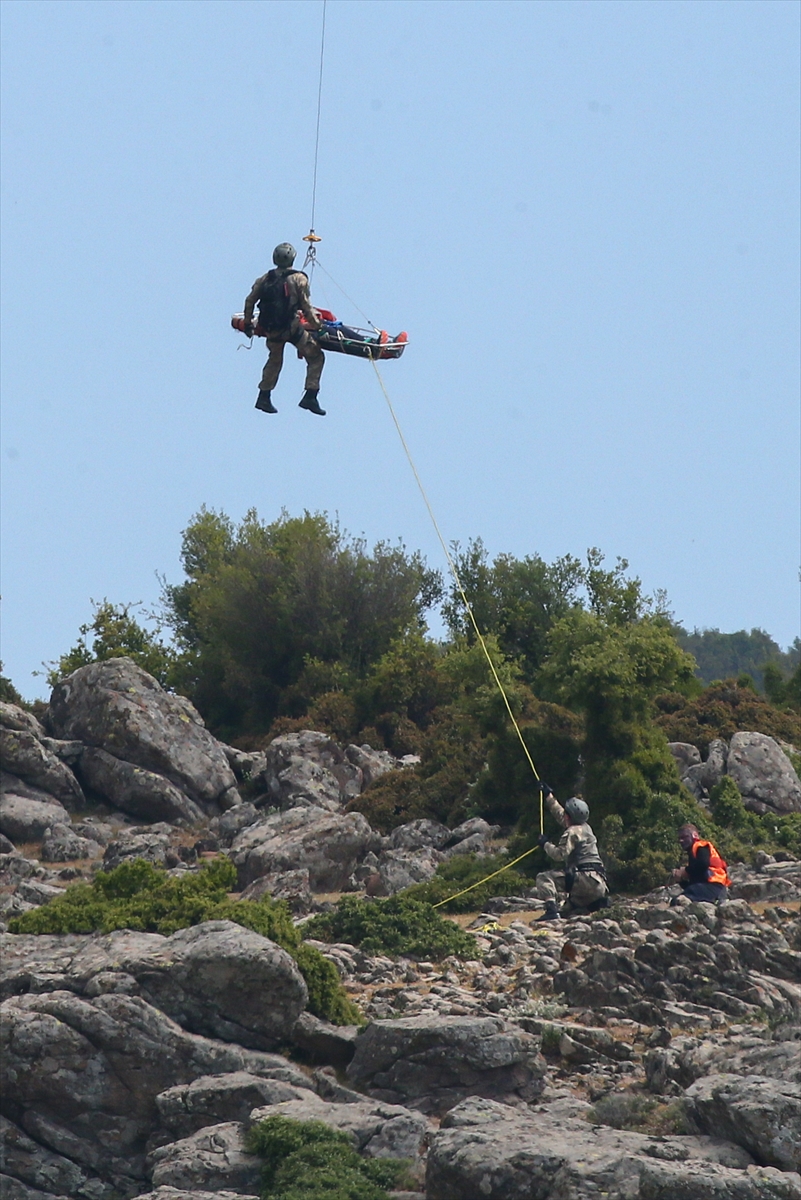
(307,1160)
(551,1037)
(397,926)
(137,895)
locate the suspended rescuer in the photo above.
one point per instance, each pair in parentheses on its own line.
(283,297)
(584,876)
(705,877)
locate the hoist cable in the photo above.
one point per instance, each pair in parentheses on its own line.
(347,297)
(319,111)
(474,623)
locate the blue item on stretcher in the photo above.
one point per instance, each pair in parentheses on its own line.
(362,343)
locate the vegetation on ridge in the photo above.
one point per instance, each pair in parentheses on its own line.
(293,624)
(138,895)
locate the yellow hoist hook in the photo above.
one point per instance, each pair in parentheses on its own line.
(311,254)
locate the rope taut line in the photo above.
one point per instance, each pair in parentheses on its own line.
(311,237)
(478,633)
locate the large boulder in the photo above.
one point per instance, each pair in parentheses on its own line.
(700,778)
(211,1099)
(80,1076)
(432,1062)
(23,820)
(488,1150)
(378,1130)
(213,1159)
(23,754)
(329,845)
(61,844)
(30,1170)
(763,773)
(399,869)
(216,978)
(143,794)
(308,768)
(763,1115)
(117,707)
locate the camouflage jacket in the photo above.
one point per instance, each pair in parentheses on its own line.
(577,848)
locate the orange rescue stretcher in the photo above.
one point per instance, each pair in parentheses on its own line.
(344,339)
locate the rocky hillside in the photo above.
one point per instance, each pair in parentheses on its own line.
(647,1051)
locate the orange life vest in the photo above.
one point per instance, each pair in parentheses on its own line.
(717,866)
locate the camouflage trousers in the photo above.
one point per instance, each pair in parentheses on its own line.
(306,347)
(588,886)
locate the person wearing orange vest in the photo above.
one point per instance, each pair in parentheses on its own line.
(705,877)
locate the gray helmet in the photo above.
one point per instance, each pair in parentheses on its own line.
(284,255)
(577,810)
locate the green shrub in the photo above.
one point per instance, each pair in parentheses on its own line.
(307,1160)
(722,709)
(137,895)
(466,869)
(399,925)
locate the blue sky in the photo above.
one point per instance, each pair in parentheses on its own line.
(585,215)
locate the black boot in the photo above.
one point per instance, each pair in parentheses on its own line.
(551,912)
(309,402)
(264,403)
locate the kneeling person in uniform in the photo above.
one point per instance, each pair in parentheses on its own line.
(584,876)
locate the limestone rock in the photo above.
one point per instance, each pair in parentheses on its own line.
(309,768)
(151,843)
(171,1193)
(431,1063)
(117,707)
(80,1076)
(378,1130)
(700,778)
(763,1115)
(213,1159)
(211,1099)
(324,1043)
(144,794)
(764,774)
(418,835)
(291,886)
(327,844)
(25,820)
(488,1150)
(62,844)
(399,869)
(14,717)
(30,1168)
(23,754)
(371,763)
(685,754)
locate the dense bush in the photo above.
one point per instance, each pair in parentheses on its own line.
(115,633)
(307,1160)
(727,655)
(721,710)
(399,925)
(137,895)
(272,615)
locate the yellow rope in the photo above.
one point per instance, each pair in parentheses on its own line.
(474,623)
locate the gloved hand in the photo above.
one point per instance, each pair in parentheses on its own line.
(248,329)
(542,839)
(545,788)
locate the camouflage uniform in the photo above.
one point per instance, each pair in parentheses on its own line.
(583,878)
(306,346)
